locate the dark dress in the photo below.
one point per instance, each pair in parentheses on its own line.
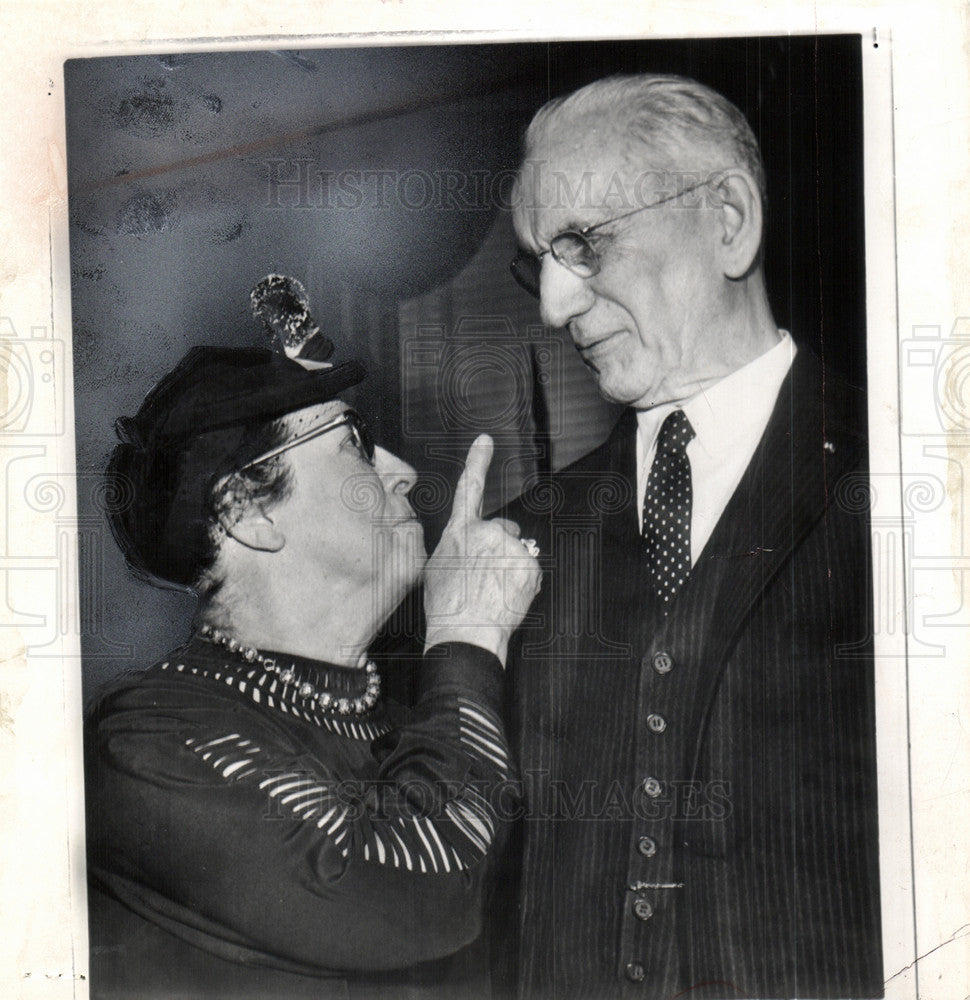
(241,843)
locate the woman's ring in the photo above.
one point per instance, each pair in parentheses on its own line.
(530,547)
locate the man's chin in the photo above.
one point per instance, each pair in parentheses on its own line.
(616,386)
(622,395)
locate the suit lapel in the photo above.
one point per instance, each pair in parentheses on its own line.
(620,522)
(782,494)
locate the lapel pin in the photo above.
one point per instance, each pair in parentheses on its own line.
(829,447)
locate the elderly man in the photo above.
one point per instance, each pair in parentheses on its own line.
(694,709)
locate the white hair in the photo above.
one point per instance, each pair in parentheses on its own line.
(669,116)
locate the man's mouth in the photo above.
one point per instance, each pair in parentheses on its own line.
(590,345)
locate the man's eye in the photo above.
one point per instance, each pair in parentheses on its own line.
(600,239)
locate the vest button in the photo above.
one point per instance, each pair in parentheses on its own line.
(635,972)
(642,910)
(663,662)
(647,846)
(656,723)
(652,787)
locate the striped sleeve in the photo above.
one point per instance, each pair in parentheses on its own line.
(431,810)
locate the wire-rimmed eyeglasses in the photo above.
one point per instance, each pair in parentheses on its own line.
(573,249)
(363,439)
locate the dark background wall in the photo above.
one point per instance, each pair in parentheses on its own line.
(380,178)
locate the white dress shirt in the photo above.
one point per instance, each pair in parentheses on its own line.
(728,419)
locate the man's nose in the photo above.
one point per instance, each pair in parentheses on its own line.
(562,295)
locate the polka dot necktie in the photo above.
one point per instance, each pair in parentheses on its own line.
(666,509)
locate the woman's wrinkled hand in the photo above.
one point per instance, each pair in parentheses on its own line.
(480,581)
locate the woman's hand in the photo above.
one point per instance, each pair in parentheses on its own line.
(480,580)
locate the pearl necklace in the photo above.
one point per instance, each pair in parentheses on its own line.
(306,690)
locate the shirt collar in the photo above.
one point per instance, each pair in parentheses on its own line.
(731,409)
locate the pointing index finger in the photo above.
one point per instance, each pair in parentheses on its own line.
(471,483)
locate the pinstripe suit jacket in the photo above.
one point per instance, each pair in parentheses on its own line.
(702,787)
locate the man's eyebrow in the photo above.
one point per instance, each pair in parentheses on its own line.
(578,225)
(571,225)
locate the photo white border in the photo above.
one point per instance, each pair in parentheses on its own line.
(917,185)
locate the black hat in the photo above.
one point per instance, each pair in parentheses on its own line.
(213,388)
(192,429)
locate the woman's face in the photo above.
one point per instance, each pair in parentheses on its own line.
(347,520)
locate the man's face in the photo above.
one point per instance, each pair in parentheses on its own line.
(646,324)
(349,520)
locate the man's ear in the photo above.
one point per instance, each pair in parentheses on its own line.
(741,221)
(255,529)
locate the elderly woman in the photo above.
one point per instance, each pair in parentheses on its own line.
(261,821)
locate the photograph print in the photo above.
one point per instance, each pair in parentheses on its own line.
(476,589)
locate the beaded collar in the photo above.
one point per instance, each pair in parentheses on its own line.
(338,691)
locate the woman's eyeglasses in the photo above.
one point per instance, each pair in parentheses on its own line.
(362,437)
(573,249)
